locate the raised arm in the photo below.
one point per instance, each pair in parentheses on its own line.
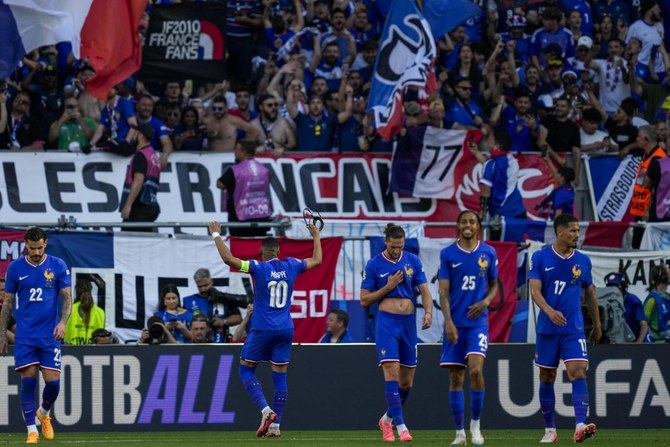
(224,251)
(317,255)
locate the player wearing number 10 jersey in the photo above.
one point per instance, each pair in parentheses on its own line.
(35,286)
(558,275)
(271,333)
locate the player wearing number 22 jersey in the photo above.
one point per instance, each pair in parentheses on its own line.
(271,333)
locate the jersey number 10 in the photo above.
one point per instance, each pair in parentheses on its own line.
(278,293)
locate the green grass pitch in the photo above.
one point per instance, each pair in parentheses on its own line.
(503,438)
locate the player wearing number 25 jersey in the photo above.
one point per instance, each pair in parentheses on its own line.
(36,285)
(271,333)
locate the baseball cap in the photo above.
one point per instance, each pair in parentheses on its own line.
(615,279)
(145,129)
(666,103)
(585,41)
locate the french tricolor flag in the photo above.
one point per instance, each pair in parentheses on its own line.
(103,31)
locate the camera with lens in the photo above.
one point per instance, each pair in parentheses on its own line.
(156,331)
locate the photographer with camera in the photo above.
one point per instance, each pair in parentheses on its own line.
(155,333)
(72,131)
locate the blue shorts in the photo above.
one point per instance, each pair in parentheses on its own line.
(569,348)
(395,338)
(471,341)
(268,346)
(44,352)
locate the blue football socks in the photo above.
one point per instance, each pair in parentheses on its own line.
(253,386)
(548,404)
(281,393)
(392,395)
(457,402)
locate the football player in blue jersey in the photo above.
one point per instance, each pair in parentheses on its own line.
(557,276)
(271,334)
(391,278)
(35,286)
(468,282)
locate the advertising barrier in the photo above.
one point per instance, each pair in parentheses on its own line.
(331,387)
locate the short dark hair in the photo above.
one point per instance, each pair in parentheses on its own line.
(270,244)
(341,316)
(35,234)
(503,140)
(248,147)
(658,275)
(393,231)
(592,116)
(563,221)
(220,98)
(568,173)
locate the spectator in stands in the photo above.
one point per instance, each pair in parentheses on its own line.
(161,140)
(360,28)
(173,94)
(200,330)
(243,101)
(365,60)
(85,317)
(516,26)
(551,33)
(653,94)
(115,119)
(617,10)
(351,134)
(222,128)
(592,138)
(466,68)
(436,113)
(461,111)
(341,36)
(139,199)
(155,333)
(649,31)
(533,82)
(336,328)
(318,15)
(315,130)
(188,135)
(176,319)
(103,337)
(657,304)
(277,30)
(275,134)
(243,328)
(21,131)
(635,318)
(247,187)
(642,194)
(561,200)
(245,17)
(71,131)
(561,136)
(329,66)
(11,325)
(216,306)
(499,192)
(46,97)
(622,132)
(519,122)
(574,24)
(614,77)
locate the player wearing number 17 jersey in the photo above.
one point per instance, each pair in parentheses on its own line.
(468,282)
(35,286)
(271,333)
(558,275)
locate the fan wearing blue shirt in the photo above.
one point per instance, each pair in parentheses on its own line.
(468,282)
(558,275)
(390,278)
(35,286)
(271,334)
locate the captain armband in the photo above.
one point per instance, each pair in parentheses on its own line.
(244,266)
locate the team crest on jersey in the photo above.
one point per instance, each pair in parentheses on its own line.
(576,273)
(409,271)
(383,351)
(483,265)
(49,276)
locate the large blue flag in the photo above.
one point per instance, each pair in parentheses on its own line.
(406,57)
(445,15)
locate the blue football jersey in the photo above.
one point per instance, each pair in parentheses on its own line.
(380,267)
(562,282)
(273,291)
(37,289)
(469,273)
